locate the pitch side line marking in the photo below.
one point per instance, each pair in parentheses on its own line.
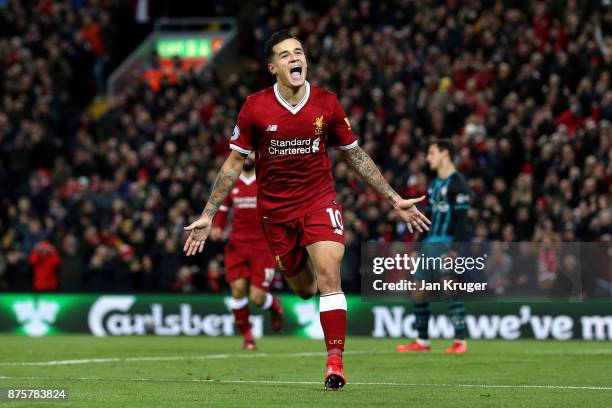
(167,358)
(277,382)
(228,356)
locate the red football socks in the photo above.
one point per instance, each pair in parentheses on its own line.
(240,309)
(276,304)
(332,312)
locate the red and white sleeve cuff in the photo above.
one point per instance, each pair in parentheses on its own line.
(239,149)
(349,146)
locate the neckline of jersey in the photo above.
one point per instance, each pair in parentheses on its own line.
(247,180)
(293,109)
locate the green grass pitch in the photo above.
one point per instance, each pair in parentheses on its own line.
(204,371)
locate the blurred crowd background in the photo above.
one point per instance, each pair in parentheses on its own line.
(98,202)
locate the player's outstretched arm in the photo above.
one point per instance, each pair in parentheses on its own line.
(406,208)
(199,230)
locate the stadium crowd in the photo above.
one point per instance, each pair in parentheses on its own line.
(98,204)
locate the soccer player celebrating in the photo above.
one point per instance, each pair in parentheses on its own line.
(290,126)
(249,264)
(449,197)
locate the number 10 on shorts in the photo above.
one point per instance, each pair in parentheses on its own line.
(336,220)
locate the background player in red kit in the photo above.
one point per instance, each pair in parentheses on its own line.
(290,127)
(249,264)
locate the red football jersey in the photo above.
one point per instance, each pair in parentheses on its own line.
(293,169)
(242,199)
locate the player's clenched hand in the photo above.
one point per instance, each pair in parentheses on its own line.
(411,215)
(198,232)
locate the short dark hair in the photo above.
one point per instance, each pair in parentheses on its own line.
(444,144)
(274,39)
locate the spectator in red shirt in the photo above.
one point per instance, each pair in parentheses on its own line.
(45,261)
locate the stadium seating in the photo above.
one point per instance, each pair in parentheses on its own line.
(523,91)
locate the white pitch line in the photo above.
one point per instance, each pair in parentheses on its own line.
(230,356)
(595,352)
(279,382)
(166,358)
(530,353)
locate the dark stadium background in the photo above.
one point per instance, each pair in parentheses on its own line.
(101,185)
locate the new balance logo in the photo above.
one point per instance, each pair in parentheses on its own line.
(272,128)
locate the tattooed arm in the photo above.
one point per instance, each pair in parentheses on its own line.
(359,161)
(199,230)
(229,173)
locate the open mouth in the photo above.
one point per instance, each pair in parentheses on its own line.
(296,72)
